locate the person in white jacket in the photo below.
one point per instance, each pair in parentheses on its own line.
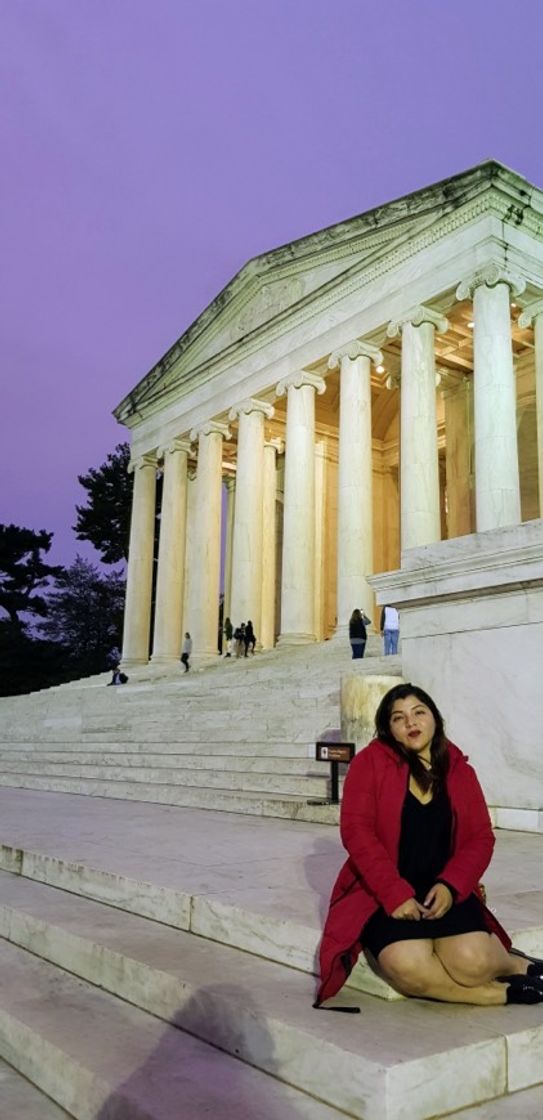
(390,629)
(186,651)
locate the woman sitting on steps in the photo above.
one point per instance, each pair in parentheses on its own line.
(418,833)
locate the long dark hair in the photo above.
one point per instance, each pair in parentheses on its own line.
(433,778)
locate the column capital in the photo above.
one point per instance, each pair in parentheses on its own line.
(416,316)
(296,380)
(277,444)
(251,405)
(207,429)
(229,482)
(491,274)
(530,313)
(149,459)
(174,445)
(353,350)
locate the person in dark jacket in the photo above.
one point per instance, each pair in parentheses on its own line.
(418,834)
(228,634)
(249,638)
(357,634)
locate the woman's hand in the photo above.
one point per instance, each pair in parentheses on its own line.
(438,900)
(411,910)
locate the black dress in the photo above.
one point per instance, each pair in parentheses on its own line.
(425,842)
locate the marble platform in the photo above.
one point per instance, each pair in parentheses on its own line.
(211,921)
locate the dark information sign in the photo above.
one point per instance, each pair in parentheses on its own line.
(334,752)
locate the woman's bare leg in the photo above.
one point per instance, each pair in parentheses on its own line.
(416,970)
(477,958)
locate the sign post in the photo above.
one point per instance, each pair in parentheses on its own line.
(334,753)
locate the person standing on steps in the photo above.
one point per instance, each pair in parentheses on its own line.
(357,634)
(390,629)
(186,650)
(239,639)
(419,837)
(228,635)
(249,638)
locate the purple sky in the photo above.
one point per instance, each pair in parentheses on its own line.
(148,148)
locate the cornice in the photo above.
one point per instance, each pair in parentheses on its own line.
(493,201)
(430,568)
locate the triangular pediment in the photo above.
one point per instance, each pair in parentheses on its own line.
(274,286)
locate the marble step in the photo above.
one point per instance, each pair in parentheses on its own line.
(264,749)
(267,932)
(100,1058)
(283,731)
(20,1100)
(278,784)
(265,922)
(414,1060)
(301,766)
(527,1104)
(285,805)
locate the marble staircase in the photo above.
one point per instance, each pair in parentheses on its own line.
(156,964)
(234,735)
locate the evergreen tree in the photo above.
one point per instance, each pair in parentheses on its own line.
(85,617)
(24,573)
(105,519)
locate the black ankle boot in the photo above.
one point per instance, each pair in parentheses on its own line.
(524,989)
(535,967)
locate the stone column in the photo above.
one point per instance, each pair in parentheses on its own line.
(171,553)
(355,480)
(247,544)
(269,542)
(139,581)
(188,608)
(230,487)
(298,567)
(206,568)
(458,405)
(534,315)
(497,487)
(419,466)
(320,538)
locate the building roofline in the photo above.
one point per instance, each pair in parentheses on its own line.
(486,172)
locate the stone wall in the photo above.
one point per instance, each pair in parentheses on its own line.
(471,613)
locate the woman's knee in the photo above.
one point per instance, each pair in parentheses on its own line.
(468,962)
(406,968)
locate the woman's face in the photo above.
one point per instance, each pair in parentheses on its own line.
(412,724)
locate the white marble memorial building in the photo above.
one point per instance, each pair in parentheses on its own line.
(371,388)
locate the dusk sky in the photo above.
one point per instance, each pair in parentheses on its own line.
(148,148)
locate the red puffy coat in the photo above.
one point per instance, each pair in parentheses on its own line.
(371,810)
